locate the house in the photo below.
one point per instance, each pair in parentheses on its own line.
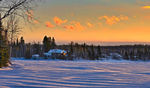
(36,56)
(56,54)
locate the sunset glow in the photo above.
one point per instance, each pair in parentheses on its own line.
(91,21)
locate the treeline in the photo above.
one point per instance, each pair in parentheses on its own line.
(81,51)
(91,52)
(22,49)
(131,52)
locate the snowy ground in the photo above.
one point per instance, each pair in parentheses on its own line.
(75,74)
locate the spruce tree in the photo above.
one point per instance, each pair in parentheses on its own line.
(92,52)
(126,56)
(71,48)
(53,43)
(99,52)
(45,40)
(28,51)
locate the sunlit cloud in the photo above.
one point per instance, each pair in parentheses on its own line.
(145,7)
(78,25)
(59,21)
(49,24)
(89,24)
(70,27)
(30,16)
(110,20)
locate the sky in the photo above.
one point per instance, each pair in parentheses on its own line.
(90,21)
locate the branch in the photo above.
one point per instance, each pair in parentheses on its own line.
(13,8)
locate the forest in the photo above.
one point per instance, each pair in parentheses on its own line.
(84,51)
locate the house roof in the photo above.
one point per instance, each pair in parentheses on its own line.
(57,51)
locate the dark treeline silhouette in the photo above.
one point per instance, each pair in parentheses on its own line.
(81,51)
(91,52)
(22,49)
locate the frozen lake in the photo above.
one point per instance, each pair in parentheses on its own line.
(76,74)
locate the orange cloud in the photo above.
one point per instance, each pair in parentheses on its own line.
(145,7)
(48,24)
(78,25)
(113,19)
(75,26)
(71,27)
(30,16)
(59,21)
(89,24)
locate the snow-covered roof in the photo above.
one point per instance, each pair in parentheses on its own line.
(35,55)
(57,51)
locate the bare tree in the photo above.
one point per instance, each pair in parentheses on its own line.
(13,28)
(9,11)
(21,8)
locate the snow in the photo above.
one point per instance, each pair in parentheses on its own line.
(75,74)
(35,56)
(57,51)
(6,68)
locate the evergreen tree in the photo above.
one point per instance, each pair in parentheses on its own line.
(22,47)
(22,42)
(36,48)
(28,51)
(99,52)
(132,55)
(84,47)
(53,43)
(92,52)
(17,42)
(71,48)
(49,43)
(45,44)
(126,56)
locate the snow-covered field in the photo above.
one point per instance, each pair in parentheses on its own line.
(75,74)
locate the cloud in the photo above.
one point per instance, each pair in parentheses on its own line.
(71,27)
(59,21)
(89,24)
(145,7)
(78,25)
(110,20)
(48,24)
(74,25)
(30,16)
